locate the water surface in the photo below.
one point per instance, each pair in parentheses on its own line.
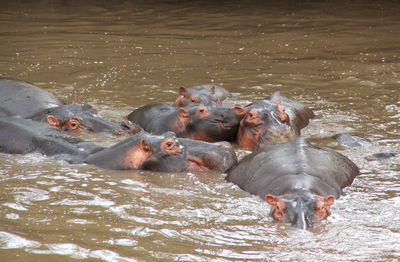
(341,58)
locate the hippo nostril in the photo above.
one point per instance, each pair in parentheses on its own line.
(118,131)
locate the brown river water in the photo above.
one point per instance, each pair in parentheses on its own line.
(341,58)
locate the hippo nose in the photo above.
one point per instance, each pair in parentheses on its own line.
(118,132)
(301,220)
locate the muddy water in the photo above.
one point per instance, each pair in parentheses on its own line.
(340,58)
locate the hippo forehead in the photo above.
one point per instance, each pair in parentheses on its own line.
(300,207)
(78,111)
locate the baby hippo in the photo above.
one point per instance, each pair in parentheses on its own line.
(208,95)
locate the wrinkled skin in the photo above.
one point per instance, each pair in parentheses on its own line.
(299,180)
(23,136)
(28,101)
(270,121)
(198,122)
(208,95)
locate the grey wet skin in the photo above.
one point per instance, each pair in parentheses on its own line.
(85,114)
(295,168)
(350,140)
(209,95)
(273,120)
(18,98)
(22,136)
(193,121)
(24,99)
(207,156)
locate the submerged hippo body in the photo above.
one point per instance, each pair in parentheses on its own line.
(23,136)
(299,180)
(199,122)
(276,119)
(208,95)
(349,140)
(18,98)
(204,156)
(24,99)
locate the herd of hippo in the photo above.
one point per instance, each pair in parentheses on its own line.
(300,181)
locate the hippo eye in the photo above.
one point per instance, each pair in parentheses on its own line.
(251,114)
(201,110)
(169,144)
(73,124)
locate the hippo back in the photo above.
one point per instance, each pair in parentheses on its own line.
(294,165)
(22,136)
(145,114)
(23,99)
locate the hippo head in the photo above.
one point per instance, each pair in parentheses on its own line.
(168,155)
(79,117)
(141,151)
(212,124)
(205,97)
(300,208)
(268,124)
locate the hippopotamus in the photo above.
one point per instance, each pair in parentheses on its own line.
(210,124)
(208,95)
(276,119)
(23,136)
(349,140)
(28,101)
(205,156)
(300,181)
(164,153)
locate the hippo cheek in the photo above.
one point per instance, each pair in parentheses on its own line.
(135,157)
(179,101)
(196,165)
(247,137)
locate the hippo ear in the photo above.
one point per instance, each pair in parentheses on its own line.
(76,100)
(216,100)
(281,112)
(53,121)
(183,91)
(272,200)
(144,145)
(212,90)
(240,111)
(277,207)
(183,113)
(322,207)
(325,201)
